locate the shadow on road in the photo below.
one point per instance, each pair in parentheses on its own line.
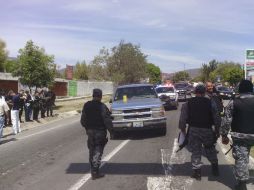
(120,168)
(226,173)
(152,169)
(7,140)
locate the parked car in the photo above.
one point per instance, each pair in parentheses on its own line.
(137,107)
(182,90)
(225,92)
(190,89)
(168,96)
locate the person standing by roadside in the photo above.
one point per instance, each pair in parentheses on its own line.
(36,106)
(9,102)
(4,108)
(200,114)
(239,117)
(96,120)
(22,98)
(15,113)
(42,103)
(3,114)
(50,100)
(28,106)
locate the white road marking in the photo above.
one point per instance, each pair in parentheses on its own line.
(170,182)
(229,156)
(86,177)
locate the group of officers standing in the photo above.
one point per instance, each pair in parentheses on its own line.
(14,104)
(203,120)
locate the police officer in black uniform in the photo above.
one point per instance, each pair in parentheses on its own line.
(200,113)
(96,120)
(239,117)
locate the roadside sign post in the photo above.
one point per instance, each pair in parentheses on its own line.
(249,63)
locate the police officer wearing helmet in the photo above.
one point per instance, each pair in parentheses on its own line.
(239,116)
(200,113)
(96,120)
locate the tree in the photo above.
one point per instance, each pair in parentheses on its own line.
(127,64)
(97,70)
(154,73)
(233,75)
(35,67)
(228,72)
(81,71)
(10,65)
(181,76)
(207,69)
(3,55)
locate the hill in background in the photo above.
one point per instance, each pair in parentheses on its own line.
(192,72)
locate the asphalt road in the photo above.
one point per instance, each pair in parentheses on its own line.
(55,157)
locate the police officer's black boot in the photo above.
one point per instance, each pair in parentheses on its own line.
(241,185)
(215,169)
(96,174)
(196,174)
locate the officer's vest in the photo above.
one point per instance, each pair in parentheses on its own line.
(93,111)
(200,112)
(243,115)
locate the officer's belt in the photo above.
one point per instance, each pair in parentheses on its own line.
(210,127)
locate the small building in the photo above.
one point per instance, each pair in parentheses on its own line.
(8,82)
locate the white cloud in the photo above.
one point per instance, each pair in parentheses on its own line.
(172,32)
(93,5)
(65,27)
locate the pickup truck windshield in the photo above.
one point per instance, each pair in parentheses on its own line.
(135,92)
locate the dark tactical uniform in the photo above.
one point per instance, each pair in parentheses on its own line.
(200,113)
(217,100)
(36,106)
(96,120)
(239,116)
(50,100)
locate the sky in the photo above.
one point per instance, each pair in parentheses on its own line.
(174,34)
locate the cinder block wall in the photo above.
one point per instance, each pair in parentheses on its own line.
(85,88)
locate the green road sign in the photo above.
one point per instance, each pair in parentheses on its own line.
(250,54)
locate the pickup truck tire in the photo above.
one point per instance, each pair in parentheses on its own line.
(112,135)
(163,131)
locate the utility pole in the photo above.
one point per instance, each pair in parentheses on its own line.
(184,71)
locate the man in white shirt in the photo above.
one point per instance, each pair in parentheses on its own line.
(4,108)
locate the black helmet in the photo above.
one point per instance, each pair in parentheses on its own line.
(200,89)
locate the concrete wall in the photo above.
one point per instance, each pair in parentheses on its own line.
(61,86)
(85,88)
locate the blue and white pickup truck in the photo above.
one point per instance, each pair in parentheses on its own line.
(137,107)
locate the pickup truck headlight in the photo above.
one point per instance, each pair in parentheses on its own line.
(158,112)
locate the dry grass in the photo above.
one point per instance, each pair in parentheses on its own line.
(71,105)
